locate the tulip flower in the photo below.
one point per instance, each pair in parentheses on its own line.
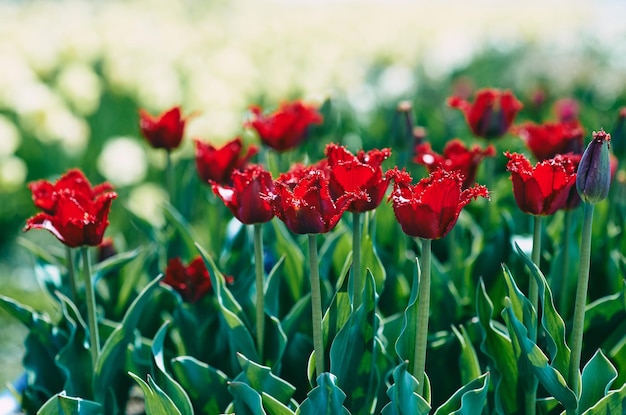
(547,140)
(163,131)
(491,114)
(542,189)
(192,282)
(430,208)
(594,170)
(218,164)
(285,128)
(456,157)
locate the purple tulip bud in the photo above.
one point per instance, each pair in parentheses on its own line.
(594,171)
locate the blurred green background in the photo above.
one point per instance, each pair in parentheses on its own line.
(74,73)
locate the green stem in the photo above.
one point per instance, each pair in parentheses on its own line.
(260,292)
(169,176)
(581,300)
(423,309)
(71,274)
(94,340)
(316,306)
(563,294)
(357,277)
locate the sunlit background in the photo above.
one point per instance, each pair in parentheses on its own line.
(73,73)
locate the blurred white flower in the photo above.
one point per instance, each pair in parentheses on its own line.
(123,161)
(62,126)
(146,201)
(10,138)
(13,173)
(80,86)
(395,82)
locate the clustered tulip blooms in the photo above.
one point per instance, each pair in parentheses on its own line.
(544,188)
(456,157)
(491,114)
(360,173)
(285,128)
(217,164)
(549,139)
(163,131)
(245,197)
(430,208)
(192,282)
(73,211)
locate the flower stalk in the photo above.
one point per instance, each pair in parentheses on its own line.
(260,291)
(564,303)
(94,338)
(316,306)
(423,308)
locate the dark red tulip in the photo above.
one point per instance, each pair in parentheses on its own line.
(360,173)
(547,140)
(542,189)
(163,131)
(430,208)
(491,114)
(285,128)
(73,211)
(192,282)
(245,197)
(456,157)
(306,204)
(218,164)
(594,171)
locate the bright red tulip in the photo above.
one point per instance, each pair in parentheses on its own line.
(285,128)
(306,205)
(163,131)
(360,173)
(491,114)
(430,208)
(244,197)
(192,282)
(456,157)
(542,189)
(73,211)
(218,164)
(547,140)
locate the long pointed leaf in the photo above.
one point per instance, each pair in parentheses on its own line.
(598,376)
(403,395)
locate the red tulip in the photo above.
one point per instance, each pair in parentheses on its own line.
(360,173)
(218,164)
(430,208)
(244,197)
(566,109)
(192,282)
(287,127)
(491,114)
(547,140)
(163,131)
(73,211)
(456,157)
(306,205)
(544,188)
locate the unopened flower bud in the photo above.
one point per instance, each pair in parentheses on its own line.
(594,171)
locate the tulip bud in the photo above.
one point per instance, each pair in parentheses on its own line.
(594,171)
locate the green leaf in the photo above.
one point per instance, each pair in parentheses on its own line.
(173,216)
(113,263)
(499,349)
(338,312)
(247,401)
(469,400)
(550,378)
(353,353)
(551,321)
(207,387)
(598,376)
(273,406)
(293,271)
(110,363)
(275,342)
(172,388)
(157,402)
(261,379)
(403,395)
(612,404)
(272,289)
(60,404)
(470,366)
(371,261)
(405,344)
(239,333)
(325,399)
